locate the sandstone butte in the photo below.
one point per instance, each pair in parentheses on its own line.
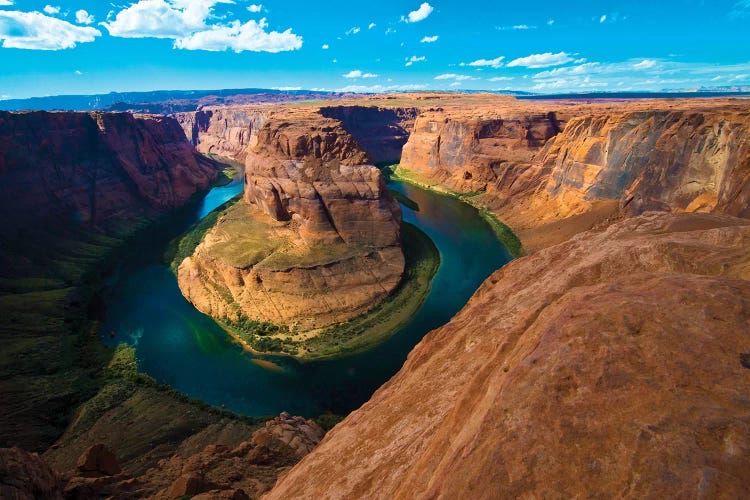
(316,239)
(614,359)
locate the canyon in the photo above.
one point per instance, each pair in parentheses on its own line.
(611,360)
(315,240)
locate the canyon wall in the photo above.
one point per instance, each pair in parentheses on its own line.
(73,188)
(380,131)
(588,163)
(223,131)
(94,167)
(615,364)
(330,248)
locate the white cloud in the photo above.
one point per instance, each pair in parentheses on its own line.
(453,76)
(78,72)
(251,36)
(6,3)
(254,8)
(517,27)
(429,39)
(83,17)
(353,31)
(374,89)
(645,64)
(325,46)
(411,60)
(371,26)
(501,79)
(603,19)
(35,31)
(49,9)
(541,60)
(550,22)
(495,63)
(422,13)
(455,84)
(286,89)
(359,74)
(389,31)
(185,21)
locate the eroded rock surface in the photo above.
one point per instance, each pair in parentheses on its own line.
(609,365)
(317,239)
(216,470)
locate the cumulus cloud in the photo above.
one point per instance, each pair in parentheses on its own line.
(422,13)
(603,19)
(255,8)
(645,64)
(83,17)
(353,31)
(6,3)
(251,36)
(186,21)
(49,9)
(429,39)
(495,63)
(453,76)
(359,74)
(325,46)
(371,26)
(413,59)
(35,31)
(542,60)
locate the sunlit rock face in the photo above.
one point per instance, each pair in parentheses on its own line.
(332,245)
(609,365)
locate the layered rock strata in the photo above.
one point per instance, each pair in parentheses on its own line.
(615,364)
(587,163)
(316,241)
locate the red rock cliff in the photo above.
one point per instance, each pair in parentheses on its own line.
(95,167)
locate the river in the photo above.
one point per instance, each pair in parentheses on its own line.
(177,345)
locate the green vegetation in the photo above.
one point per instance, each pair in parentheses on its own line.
(504,234)
(422,260)
(184,245)
(51,287)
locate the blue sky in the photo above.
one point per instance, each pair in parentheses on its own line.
(94,46)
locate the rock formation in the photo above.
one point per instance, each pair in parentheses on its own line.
(610,365)
(316,241)
(242,471)
(540,164)
(95,167)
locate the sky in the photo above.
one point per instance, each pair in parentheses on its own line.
(94,46)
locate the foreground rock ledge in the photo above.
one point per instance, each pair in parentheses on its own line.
(610,365)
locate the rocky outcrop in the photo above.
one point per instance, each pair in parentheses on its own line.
(215,471)
(612,365)
(316,241)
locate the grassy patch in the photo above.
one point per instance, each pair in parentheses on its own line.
(184,246)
